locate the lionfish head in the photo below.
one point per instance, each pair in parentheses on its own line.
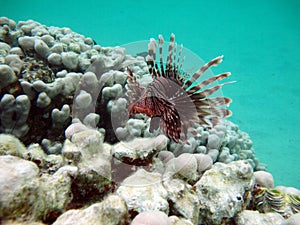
(178,98)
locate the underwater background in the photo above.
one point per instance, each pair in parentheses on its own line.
(259,39)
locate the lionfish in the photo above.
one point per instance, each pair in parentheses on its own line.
(173,96)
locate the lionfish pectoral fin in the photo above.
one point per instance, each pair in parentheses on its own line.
(154,123)
(171,124)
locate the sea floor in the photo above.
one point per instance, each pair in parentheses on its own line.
(260,41)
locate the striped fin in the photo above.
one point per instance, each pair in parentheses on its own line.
(151,57)
(201,71)
(207,92)
(170,53)
(135,90)
(171,124)
(209,81)
(161,42)
(213,111)
(217,101)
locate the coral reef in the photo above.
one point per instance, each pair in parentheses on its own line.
(70,154)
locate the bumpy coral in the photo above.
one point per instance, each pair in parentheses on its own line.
(40,68)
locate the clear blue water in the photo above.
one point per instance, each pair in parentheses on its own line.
(260,41)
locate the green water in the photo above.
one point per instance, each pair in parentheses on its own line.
(260,41)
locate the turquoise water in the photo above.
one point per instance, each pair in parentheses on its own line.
(260,41)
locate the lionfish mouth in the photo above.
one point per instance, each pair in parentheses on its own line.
(175,96)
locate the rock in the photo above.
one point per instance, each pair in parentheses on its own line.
(151,218)
(182,199)
(221,191)
(143,191)
(179,221)
(264,179)
(47,163)
(94,167)
(7,76)
(293,220)
(248,217)
(139,151)
(288,190)
(54,194)
(10,145)
(111,211)
(19,187)
(13,222)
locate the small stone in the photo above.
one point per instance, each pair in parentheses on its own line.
(26,43)
(111,211)
(221,189)
(293,220)
(213,141)
(39,86)
(41,48)
(70,59)
(18,187)
(186,165)
(7,76)
(5,47)
(147,187)
(213,153)
(57,48)
(165,156)
(55,59)
(14,62)
(28,89)
(88,41)
(4,20)
(151,218)
(83,100)
(48,39)
(16,51)
(62,73)
(248,217)
(10,145)
(264,179)
(73,129)
(204,162)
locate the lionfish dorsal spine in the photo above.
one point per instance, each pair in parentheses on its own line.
(161,42)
